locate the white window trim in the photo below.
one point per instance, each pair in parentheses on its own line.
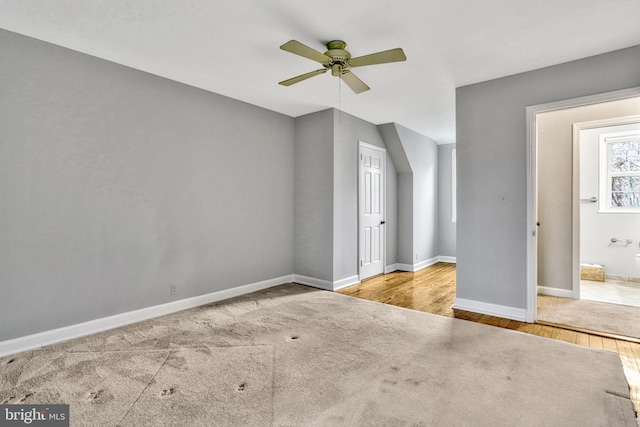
(454,193)
(604,184)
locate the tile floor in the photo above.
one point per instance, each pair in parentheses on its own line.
(611,291)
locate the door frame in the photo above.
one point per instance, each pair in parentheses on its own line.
(532,184)
(383,150)
(576,205)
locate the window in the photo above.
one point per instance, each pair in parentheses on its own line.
(620,172)
(453,186)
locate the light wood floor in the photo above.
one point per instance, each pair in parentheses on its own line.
(433,290)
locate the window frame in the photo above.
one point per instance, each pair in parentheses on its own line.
(606,175)
(454,189)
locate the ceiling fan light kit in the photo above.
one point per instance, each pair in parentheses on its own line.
(339,61)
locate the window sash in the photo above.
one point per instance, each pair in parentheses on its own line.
(619,192)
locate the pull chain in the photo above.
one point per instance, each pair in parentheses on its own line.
(340,99)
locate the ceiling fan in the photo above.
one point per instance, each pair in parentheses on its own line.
(339,61)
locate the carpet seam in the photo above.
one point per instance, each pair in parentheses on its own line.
(22,370)
(273,383)
(144,389)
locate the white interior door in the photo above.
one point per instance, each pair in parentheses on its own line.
(371,210)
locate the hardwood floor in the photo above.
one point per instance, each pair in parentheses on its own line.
(433,290)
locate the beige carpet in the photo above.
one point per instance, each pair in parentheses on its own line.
(592,315)
(294,356)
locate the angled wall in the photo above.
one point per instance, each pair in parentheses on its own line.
(417,157)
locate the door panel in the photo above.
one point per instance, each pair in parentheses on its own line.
(371,211)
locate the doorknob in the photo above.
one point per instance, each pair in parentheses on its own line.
(382,222)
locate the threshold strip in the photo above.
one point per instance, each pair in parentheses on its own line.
(588,331)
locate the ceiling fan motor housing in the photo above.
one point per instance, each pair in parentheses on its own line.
(339,57)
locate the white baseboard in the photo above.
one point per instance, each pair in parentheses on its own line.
(415,267)
(390,268)
(312,281)
(490,309)
(349,281)
(41,339)
(426,263)
(66,333)
(404,267)
(418,266)
(555,292)
(326,284)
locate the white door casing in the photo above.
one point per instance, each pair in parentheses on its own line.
(371,205)
(532,188)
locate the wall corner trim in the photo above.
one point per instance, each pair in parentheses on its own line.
(66,333)
(491,309)
(555,292)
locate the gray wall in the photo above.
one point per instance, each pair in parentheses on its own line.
(422,153)
(491,154)
(417,157)
(314,195)
(555,185)
(446,228)
(116,184)
(326,194)
(395,150)
(405,219)
(348,131)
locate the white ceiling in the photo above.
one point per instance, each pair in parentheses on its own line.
(232,47)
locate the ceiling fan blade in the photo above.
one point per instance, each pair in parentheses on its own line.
(356,85)
(393,55)
(302,77)
(298,48)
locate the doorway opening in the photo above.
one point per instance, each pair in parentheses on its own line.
(552,222)
(554,196)
(607,200)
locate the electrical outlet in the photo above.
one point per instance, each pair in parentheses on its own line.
(174,289)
